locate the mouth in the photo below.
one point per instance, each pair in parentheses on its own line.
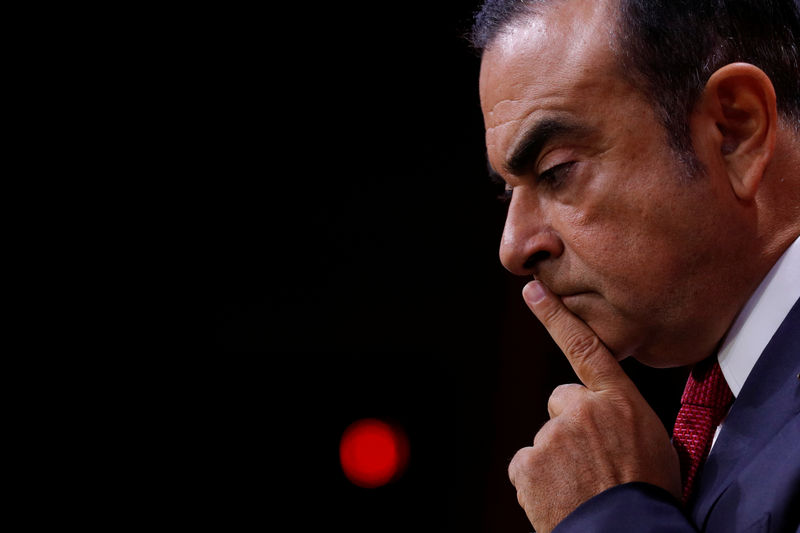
(571,296)
(566,293)
(577,303)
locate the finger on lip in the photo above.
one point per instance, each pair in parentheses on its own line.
(561,292)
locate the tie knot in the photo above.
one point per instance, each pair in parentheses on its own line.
(707,387)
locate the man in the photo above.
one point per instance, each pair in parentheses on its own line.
(650,151)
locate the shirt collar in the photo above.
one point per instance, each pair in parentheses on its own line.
(760,318)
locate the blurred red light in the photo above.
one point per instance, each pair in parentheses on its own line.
(373,453)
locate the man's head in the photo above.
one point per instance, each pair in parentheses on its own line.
(601,208)
(669,48)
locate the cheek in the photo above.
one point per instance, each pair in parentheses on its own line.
(595,223)
(630,224)
(626,242)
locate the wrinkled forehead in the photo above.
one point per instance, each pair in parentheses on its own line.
(566,38)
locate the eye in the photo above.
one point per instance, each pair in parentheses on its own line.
(555,176)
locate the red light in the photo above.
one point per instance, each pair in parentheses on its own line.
(373,453)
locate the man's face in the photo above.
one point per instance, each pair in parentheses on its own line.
(600,210)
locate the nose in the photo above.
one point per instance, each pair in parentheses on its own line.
(528,239)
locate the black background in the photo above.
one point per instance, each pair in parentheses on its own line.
(326,250)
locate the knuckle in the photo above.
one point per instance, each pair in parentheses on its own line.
(582,411)
(553,405)
(565,390)
(580,345)
(562,395)
(521,499)
(543,437)
(559,391)
(519,463)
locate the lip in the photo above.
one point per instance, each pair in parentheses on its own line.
(575,300)
(564,291)
(573,294)
(568,292)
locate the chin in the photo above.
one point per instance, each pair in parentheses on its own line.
(664,357)
(621,354)
(621,347)
(647,345)
(621,342)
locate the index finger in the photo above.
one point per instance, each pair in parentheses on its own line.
(593,363)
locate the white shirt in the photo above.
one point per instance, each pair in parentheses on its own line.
(759,319)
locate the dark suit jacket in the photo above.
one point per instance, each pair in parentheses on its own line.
(751,480)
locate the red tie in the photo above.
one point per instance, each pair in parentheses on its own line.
(705,401)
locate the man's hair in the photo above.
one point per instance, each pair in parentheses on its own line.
(668,49)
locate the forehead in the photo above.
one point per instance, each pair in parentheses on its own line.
(551,61)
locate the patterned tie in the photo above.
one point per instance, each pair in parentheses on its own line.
(705,401)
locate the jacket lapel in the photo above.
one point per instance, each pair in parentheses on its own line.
(769,398)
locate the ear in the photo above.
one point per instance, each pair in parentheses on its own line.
(735,125)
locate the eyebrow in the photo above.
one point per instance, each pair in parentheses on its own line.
(529,147)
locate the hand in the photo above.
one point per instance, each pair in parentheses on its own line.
(600,434)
